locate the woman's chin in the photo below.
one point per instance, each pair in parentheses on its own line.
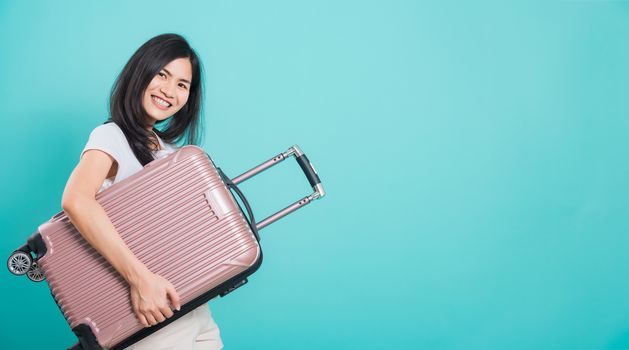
(158,118)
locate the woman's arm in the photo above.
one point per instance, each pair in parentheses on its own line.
(150,293)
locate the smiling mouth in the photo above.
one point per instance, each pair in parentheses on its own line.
(160,102)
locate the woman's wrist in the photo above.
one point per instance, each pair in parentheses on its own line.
(134,272)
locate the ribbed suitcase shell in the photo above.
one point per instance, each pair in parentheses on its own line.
(177,216)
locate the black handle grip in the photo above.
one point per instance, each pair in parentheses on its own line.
(309,171)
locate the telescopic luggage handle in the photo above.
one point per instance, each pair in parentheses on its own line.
(309,171)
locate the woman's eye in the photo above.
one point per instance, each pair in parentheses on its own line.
(183,86)
(161,74)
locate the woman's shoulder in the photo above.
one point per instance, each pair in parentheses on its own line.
(109,138)
(110,128)
(107,130)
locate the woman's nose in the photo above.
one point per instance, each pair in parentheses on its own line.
(167,89)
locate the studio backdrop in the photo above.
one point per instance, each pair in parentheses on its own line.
(475,157)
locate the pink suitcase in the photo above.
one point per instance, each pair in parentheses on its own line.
(179,217)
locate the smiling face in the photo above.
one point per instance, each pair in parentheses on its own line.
(168,91)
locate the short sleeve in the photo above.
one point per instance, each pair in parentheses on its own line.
(106,138)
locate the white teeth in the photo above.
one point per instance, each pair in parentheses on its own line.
(161,102)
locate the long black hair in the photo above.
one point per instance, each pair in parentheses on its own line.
(125,102)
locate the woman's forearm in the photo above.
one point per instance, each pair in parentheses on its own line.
(92,221)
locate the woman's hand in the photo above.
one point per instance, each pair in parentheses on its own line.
(152,297)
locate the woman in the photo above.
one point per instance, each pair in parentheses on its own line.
(161,83)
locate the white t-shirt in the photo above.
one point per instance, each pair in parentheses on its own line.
(110,139)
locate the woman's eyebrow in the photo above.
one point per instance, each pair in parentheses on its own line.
(184,80)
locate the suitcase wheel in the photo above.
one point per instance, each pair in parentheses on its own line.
(19,262)
(35,273)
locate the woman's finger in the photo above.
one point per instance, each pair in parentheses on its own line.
(150,318)
(166,311)
(142,319)
(158,316)
(173,296)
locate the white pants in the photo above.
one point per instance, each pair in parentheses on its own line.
(195,330)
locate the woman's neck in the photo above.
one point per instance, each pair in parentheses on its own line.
(154,143)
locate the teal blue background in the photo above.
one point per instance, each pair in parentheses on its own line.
(475,157)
